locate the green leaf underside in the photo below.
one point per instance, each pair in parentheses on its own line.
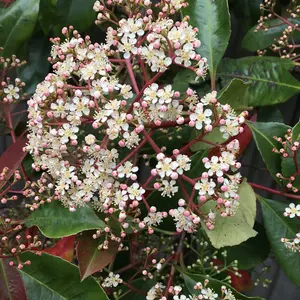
(263,134)
(277,227)
(17,23)
(263,39)
(52,278)
(56,221)
(191,279)
(231,231)
(271,81)
(213,21)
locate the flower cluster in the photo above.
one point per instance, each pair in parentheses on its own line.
(92,118)
(201,291)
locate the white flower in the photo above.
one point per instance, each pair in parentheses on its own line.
(214,166)
(112,280)
(126,170)
(67,132)
(90,139)
(168,188)
(153,218)
(183,162)
(135,192)
(209,294)
(12,92)
(155,292)
(166,166)
(205,187)
(293,210)
(201,116)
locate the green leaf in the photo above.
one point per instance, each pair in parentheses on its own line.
(235,94)
(251,252)
(37,65)
(78,13)
(197,166)
(269,114)
(263,39)
(213,21)
(263,134)
(183,79)
(56,221)
(191,280)
(47,15)
(52,278)
(215,136)
(271,81)
(16,24)
(231,231)
(277,227)
(90,259)
(296,132)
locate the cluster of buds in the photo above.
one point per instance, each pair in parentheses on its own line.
(201,291)
(16,240)
(285,45)
(290,152)
(7,181)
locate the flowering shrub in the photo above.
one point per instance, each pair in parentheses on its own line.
(131,157)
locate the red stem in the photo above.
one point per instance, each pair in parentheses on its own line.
(260,187)
(131,76)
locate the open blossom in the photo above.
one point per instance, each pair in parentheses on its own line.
(201,116)
(293,210)
(112,280)
(12,91)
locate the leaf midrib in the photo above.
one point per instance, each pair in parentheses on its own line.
(2,271)
(260,79)
(47,287)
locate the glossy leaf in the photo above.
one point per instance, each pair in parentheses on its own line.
(16,24)
(213,21)
(11,283)
(13,157)
(182,80)
(263,134)
(56,221)
(64,248)
(197,166)
(235,94)
(38,66)
(90,259)
(47,15)
(277,227)
(191,280)
(263,39)
(251,252)
(52,278)
(78,13)
(231,231)
(271,81)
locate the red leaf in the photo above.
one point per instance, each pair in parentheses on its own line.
(13,157)
(90,259)
(64,248)
(241,284)
(11,283)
